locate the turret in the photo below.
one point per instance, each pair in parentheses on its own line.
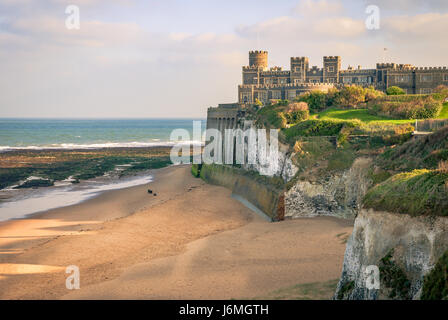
(258,59)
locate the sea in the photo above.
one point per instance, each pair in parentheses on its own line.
(40,134)
(67,134)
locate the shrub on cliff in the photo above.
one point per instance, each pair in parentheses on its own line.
(441,93)
(319,128)
(424,152)
(283,114)
(296,112)
(371,94)
(417,108)
(394,278)
(316,100)
(419,192)
(271,116)
(435,284)
(394,91)
(350,96)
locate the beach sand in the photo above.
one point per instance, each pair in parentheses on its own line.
(190,241)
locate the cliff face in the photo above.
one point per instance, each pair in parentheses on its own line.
(404,248)
(277,164)
(336,194)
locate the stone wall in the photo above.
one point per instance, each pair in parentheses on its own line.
(260,193)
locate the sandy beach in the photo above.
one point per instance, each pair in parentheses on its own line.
(190,241)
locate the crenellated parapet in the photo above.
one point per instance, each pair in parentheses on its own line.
(430,68)
(299,59)
(258,59)
(307,85)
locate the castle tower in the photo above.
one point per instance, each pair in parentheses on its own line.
(258,59)
(332,66)
(299,68)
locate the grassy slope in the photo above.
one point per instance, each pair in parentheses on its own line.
(444,113)
(419,192)
(364,116)
(424,152)
(360,114)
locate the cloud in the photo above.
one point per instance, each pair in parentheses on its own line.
(318,7)
(113,64)
(319,29)
(62,2)
(410,5)
(417,28)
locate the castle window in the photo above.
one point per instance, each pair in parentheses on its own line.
(268,81)
(426,78)
(347,80)
(297,81)
(402,78)
(291,94)
(331,69)
(245,97)
(262,96)
(277,94)
(362,79)
(445,77)
(297,69)
(282,80)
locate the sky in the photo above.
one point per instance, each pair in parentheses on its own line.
(176,58)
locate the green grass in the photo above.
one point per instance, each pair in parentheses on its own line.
(327,127)
(419,192)
(444,113)
(360,114)
(424,152)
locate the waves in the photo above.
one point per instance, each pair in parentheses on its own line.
(74,146)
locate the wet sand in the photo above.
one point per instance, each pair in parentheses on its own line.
(191,241)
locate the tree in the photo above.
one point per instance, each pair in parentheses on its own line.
(441,93)
(317,100)
(394,91)
(350,96)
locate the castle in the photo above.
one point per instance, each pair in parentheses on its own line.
(263,83)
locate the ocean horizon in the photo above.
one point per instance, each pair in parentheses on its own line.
(73,133)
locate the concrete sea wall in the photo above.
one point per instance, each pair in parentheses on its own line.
(258,190)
